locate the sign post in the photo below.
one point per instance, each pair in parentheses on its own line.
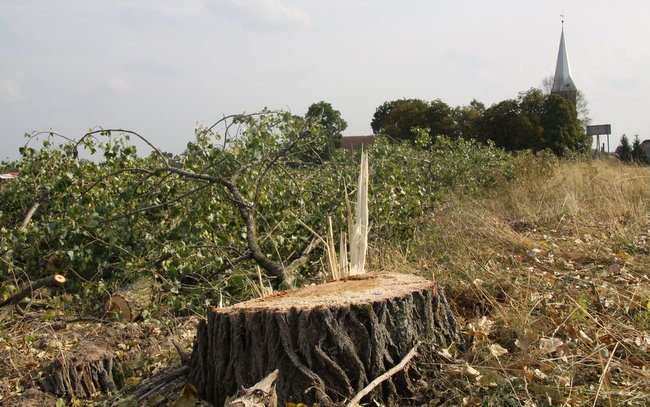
(598,130)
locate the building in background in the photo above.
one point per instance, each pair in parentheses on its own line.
(562,82)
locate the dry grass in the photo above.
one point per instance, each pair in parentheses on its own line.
(549,276)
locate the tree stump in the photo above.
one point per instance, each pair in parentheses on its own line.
(83,373)
(327,341)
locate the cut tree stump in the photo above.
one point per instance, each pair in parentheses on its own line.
(327,341)
(87,371)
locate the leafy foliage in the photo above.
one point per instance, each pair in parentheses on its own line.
(399,119)
(532,121)
(189,220)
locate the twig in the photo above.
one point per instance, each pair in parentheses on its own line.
(604,374)
(29,288)
(123,131)
(156,383)
(356,399)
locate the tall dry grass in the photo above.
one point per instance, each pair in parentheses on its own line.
(559,256)
(587,200)
(582,194)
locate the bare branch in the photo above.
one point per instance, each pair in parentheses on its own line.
(50,134)
(30,213)
(304,256)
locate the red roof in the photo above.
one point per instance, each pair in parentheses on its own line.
(9,175)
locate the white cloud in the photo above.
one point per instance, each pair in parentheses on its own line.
(266,12)
(10,91)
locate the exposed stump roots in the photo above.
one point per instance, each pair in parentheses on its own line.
(328,341)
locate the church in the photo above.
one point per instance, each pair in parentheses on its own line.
(562,82)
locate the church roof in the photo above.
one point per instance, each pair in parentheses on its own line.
(562,80)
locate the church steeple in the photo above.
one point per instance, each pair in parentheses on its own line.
(562,82)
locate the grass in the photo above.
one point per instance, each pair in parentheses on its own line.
(549,275)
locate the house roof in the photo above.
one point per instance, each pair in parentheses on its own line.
(9,175)
(356,142)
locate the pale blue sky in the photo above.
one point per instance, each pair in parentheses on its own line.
(159,67)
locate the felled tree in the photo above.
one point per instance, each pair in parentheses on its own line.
(234,160)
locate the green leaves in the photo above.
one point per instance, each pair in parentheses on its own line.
(91,216)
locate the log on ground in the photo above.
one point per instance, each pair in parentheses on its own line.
(327,341)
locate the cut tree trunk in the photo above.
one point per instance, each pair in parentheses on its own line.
(127,304)
(28,289)
(327,341)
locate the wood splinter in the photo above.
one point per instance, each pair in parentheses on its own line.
(261,394)
(371,386)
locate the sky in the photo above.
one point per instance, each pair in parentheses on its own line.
(162,67)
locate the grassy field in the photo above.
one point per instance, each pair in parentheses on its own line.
(550,278)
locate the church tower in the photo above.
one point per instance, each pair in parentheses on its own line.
(562,82)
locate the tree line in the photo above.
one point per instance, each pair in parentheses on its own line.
(631,153)
(533,121)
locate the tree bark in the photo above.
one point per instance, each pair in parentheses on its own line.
(327,341)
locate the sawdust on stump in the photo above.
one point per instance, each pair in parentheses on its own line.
(328,341)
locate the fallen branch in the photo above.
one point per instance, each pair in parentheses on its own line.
(370,387)
(28,289)
(30,213)
(304,256)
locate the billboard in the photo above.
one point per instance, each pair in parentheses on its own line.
(599,129)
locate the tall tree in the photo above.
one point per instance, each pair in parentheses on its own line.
(504,124)
(562,130)
(467,118)
(398,118)
(405,119)
(331,125)
(439,119)
(582,105)
(638,154)
(624,150)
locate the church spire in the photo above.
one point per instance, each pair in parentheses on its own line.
(562,82)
